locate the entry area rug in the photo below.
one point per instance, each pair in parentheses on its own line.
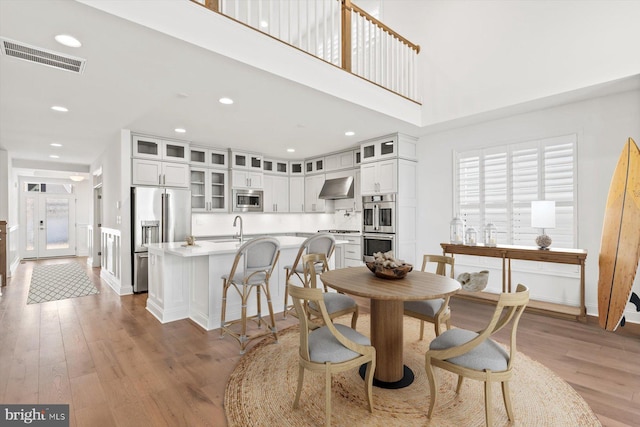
(262,388)
(59,281)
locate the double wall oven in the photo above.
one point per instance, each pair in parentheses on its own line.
(378,224)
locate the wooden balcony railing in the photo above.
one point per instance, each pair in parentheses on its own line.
(336,31)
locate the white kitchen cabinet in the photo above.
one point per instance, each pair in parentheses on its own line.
(296,168)
(296,194)
(208,157)
(246,179)
(209,190)
(339,161)
(387,147)
(153,172)
(144,147)
(357,191)
(280,167)
(240,160)
(350,253)
(312,186)
(314,165)
(276,193)
(379,177)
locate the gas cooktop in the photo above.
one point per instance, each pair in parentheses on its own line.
(339,231)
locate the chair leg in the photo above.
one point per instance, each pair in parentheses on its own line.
(243,317)
(259,303)
(438,327)
(421,330)
(487,401)
(354,318)
(327,400)
(433,386)
(286,294)
(459,386)
(368,382)
(507,400)
(225,287)
(272,318)
(299,389)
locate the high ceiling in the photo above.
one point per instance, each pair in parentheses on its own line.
(139,79)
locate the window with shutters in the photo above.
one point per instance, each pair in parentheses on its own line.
(498,184)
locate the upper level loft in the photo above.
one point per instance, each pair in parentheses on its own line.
(335,31)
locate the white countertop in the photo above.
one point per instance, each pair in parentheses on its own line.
(205,248)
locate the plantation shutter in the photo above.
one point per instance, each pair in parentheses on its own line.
(498,185)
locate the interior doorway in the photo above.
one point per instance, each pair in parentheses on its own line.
(47,213)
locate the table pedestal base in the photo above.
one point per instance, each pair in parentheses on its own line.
(405,381)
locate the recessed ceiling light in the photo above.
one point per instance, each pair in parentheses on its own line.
(349,133)
(227,101)
(291,150)
(76,178)
(68,40)
(264,24)
(59,108)
(53,156)
(55,144)
(180,130)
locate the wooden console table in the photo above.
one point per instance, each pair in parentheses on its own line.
(528,253)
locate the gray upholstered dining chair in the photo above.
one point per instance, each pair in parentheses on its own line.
(251,270)
(436,311)
(475,355)
(323,243)
(330,348)
(337,303)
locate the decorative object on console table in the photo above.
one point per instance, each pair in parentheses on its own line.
(543,215)
(490,235)
(456,231)
(471,236)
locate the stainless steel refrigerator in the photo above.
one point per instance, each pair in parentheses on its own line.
(157,215)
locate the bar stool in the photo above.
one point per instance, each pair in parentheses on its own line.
(257,259)
(318,244)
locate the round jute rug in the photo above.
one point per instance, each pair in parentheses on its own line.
(262,388)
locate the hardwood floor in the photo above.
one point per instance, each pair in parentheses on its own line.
(116,365)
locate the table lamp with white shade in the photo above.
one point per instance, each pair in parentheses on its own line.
(543,215)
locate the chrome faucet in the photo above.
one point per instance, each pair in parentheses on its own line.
(239,235)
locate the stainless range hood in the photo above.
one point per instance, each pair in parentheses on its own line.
(337,188)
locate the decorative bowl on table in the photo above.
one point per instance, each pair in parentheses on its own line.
(383,272)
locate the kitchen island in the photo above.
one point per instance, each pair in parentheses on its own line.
(185,281)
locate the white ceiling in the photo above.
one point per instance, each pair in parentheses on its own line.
(139,79)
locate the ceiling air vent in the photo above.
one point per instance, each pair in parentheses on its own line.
(42,56)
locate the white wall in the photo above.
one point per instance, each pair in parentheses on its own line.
(115,163)
(479,56)
(602,125)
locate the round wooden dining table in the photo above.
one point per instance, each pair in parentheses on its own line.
(387,312)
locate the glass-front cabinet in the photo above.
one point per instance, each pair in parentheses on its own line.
(209,190)
(314,165)
(379,149)
(296,167)
(157,149)
(208,157)
(280,167)
(240,160)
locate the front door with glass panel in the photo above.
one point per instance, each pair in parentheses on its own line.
(49,221)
